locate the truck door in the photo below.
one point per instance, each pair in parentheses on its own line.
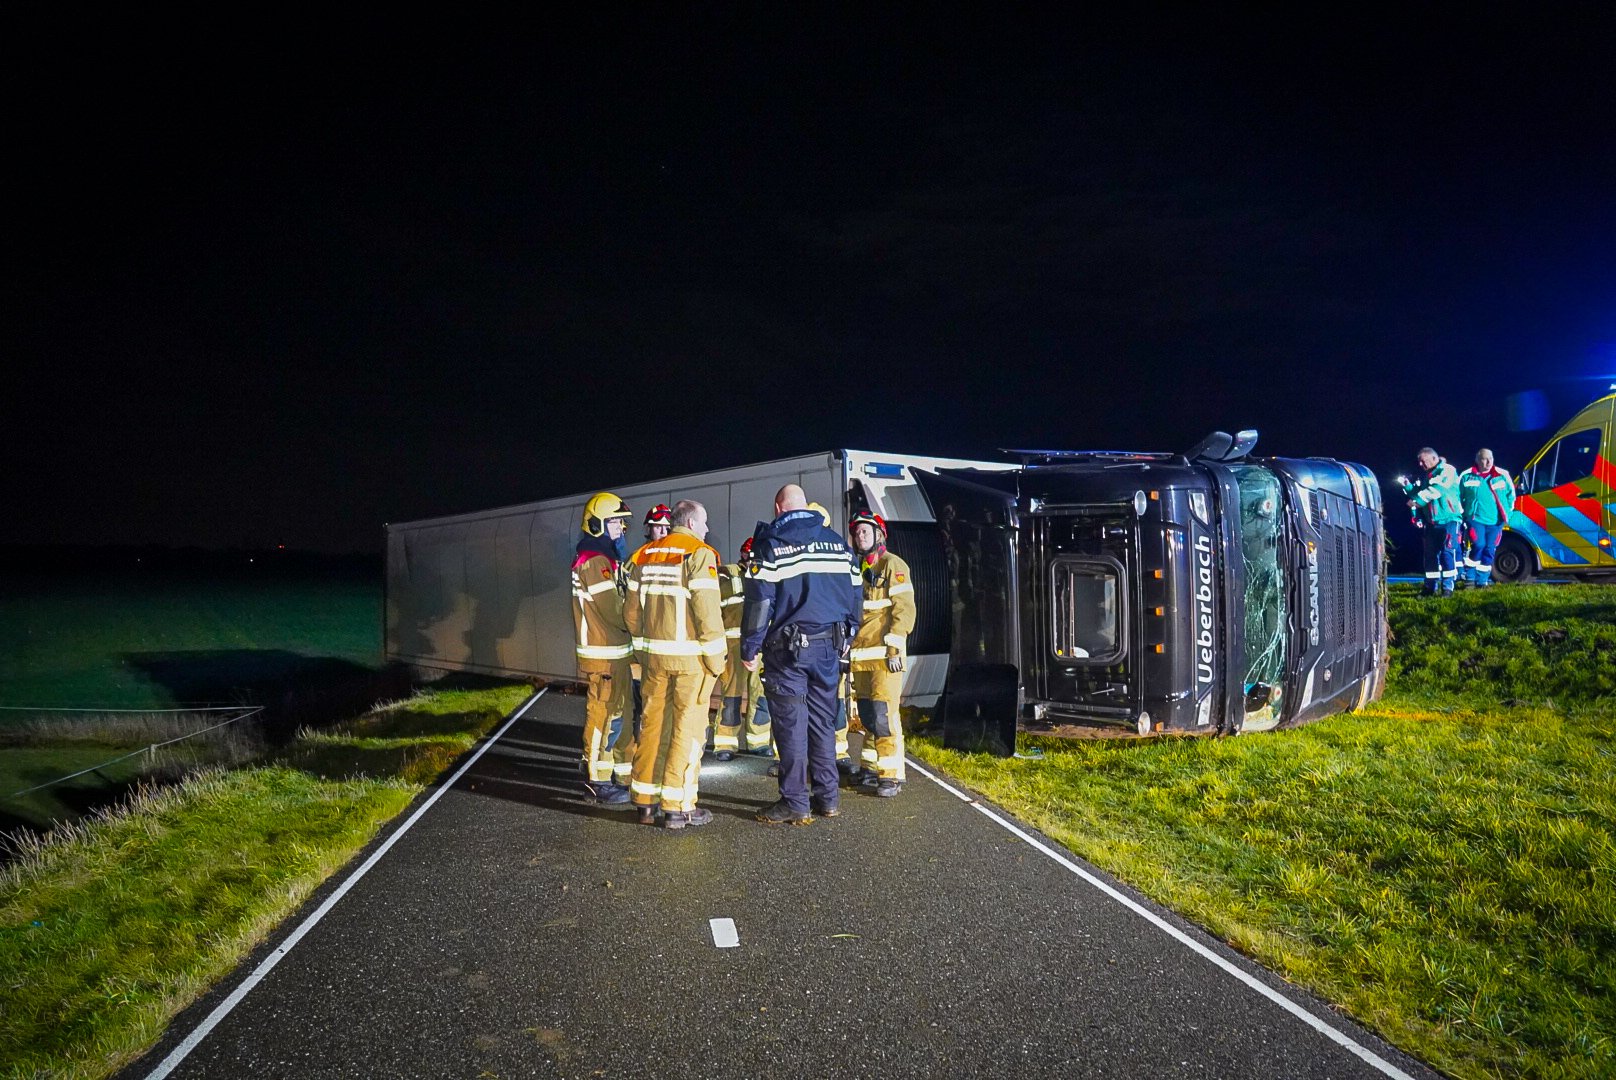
(977,520)
(1564,508)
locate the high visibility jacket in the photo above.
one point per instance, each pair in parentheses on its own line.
(599,631)
(1482,495)
(889,613)
(1438,494)
(672,608)
(802,574)
(731,598)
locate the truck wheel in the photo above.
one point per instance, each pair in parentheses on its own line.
(1513,562)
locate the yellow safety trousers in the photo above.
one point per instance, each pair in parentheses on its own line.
(741,690)
(878,693)
(607,753)
(673,728)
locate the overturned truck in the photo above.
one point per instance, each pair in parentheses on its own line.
(1201,592)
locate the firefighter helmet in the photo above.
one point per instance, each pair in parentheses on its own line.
(865,517)
(746,549)
(659,514)
(601,507)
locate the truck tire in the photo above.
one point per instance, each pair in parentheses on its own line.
(1514,563)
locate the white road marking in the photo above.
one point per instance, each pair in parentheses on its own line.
(194,1039)
(725,936)
(1176,934)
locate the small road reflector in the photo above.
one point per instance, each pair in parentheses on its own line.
(725,936)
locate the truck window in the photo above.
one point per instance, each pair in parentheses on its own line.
(1086,608)
(1567,461)
(1267,629)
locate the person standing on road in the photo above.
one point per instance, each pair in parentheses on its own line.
(1486,496)
(1434,498)
(742,691)
(603,647)
(801,611)
(880,651)
(658,521)
(673,614)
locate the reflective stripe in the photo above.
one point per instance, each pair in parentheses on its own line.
(582,597)
(876,605)
(622,768)
(874,652)
(1433,573)
(732,632)
(808,564)
(869,755)
(704,583)
(665,590)
(1485,568)
(675,794)
(602,586)
(640,787)
(896,589)
(603,652)
(633,586)
(715,647)
(732,600)
(726,742)
(891,763)
(897,641)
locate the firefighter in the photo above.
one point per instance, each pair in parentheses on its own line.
(801,610)
(1486,496)
(1434,498)
(658,522)
(742,689)
(879,652)
(603,647)
(673,613)
(844,760)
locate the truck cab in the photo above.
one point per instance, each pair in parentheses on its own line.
(1208,592)
(1565,505)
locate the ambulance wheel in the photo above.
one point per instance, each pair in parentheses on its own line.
(1513,562)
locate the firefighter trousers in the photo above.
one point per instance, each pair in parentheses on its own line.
(744,707)
(673,729)
(608,738)
(877,694)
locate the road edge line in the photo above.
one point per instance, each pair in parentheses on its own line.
(220,1011)
(1175,933)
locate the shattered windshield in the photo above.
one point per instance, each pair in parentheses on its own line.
(1267,636)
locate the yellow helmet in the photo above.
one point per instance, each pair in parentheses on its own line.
(821,511)
(599,508)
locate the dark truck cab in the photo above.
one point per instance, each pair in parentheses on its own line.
(1206,592)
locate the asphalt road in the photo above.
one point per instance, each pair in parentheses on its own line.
(514,931)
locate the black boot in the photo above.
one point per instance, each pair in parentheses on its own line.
(781,813)
(681,819)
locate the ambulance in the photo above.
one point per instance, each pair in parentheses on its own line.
(1565,506)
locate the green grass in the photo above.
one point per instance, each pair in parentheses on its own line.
(115,925)
(1443,866)
(128,644)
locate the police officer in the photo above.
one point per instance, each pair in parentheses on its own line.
(742,691)
(1486,495)
(1434,498)
(880,651)
(678,630)
(802,608)
(603,647)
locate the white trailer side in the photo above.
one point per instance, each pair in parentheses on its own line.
(491,591)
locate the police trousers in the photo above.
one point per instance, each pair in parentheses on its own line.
(802,701)
(877,694)
(673,729)
(608,738)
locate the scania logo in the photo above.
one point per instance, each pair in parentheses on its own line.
(1312,593)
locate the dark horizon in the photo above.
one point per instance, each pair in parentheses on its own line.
(278,292)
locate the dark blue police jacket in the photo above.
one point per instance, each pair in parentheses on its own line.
(802,573)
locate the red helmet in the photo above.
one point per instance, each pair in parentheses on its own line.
(659,514)
(746,547)
(865,517)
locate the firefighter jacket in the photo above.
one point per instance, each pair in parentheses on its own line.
(600,635)
(672,608)
(889,612)
(1486,497)
(1437,496)
(802,574)
(731,597)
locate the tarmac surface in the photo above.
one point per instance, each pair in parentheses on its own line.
(515,931)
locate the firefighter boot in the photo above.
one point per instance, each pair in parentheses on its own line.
(681,819)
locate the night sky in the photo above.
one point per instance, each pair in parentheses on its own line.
(281,284)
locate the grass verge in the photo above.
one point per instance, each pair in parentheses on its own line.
(1442,866)
(111,927)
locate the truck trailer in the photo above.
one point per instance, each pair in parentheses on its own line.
(1201,592)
